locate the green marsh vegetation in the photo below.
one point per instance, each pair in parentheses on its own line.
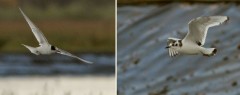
(85,26)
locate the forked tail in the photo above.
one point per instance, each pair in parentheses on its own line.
(32,49)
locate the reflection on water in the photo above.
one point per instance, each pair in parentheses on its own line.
(29,64)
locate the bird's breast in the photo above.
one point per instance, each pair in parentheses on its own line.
(45,50)
(189,48)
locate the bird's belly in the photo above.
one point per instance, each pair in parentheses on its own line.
(44,51)
(189,50)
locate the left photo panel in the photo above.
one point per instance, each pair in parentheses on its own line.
(57,47)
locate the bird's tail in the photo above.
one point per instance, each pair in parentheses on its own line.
(209,51)
(32,49)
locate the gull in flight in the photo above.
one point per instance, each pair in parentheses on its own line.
(196,36)
(45,47)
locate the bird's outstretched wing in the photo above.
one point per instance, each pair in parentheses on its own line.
(63,52)
(37,33)
(172,52)
(198,28)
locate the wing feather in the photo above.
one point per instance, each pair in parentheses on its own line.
(198,27)
(63,52)
(169,52)
(37,33)
(172,52)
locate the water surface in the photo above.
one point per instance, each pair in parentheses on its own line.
(144,66)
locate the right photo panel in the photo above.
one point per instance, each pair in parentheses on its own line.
(178,47)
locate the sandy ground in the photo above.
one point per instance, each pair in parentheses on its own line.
(58,85)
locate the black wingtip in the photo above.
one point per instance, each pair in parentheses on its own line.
(214,51)
(227,19)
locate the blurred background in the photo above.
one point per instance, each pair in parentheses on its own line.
(144,65)
(85,28)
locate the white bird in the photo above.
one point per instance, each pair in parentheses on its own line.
(45,47)
(196,36)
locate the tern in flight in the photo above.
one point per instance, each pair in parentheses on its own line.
(45,48)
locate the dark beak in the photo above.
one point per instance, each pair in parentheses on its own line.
(167,47)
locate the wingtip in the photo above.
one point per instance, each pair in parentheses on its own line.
(20,9)
(85,61)
(89,62)
(21,12)
(227,19)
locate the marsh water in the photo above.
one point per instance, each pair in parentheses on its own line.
(28,74)
(29,64)
(144,66)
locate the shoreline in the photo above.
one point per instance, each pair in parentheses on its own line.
(62,85)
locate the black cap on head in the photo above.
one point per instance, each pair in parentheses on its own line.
(53,48)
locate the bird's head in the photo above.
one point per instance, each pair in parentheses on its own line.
(173,42)
(53,48)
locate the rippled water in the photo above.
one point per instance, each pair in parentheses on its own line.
(29,64)
(145,68)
